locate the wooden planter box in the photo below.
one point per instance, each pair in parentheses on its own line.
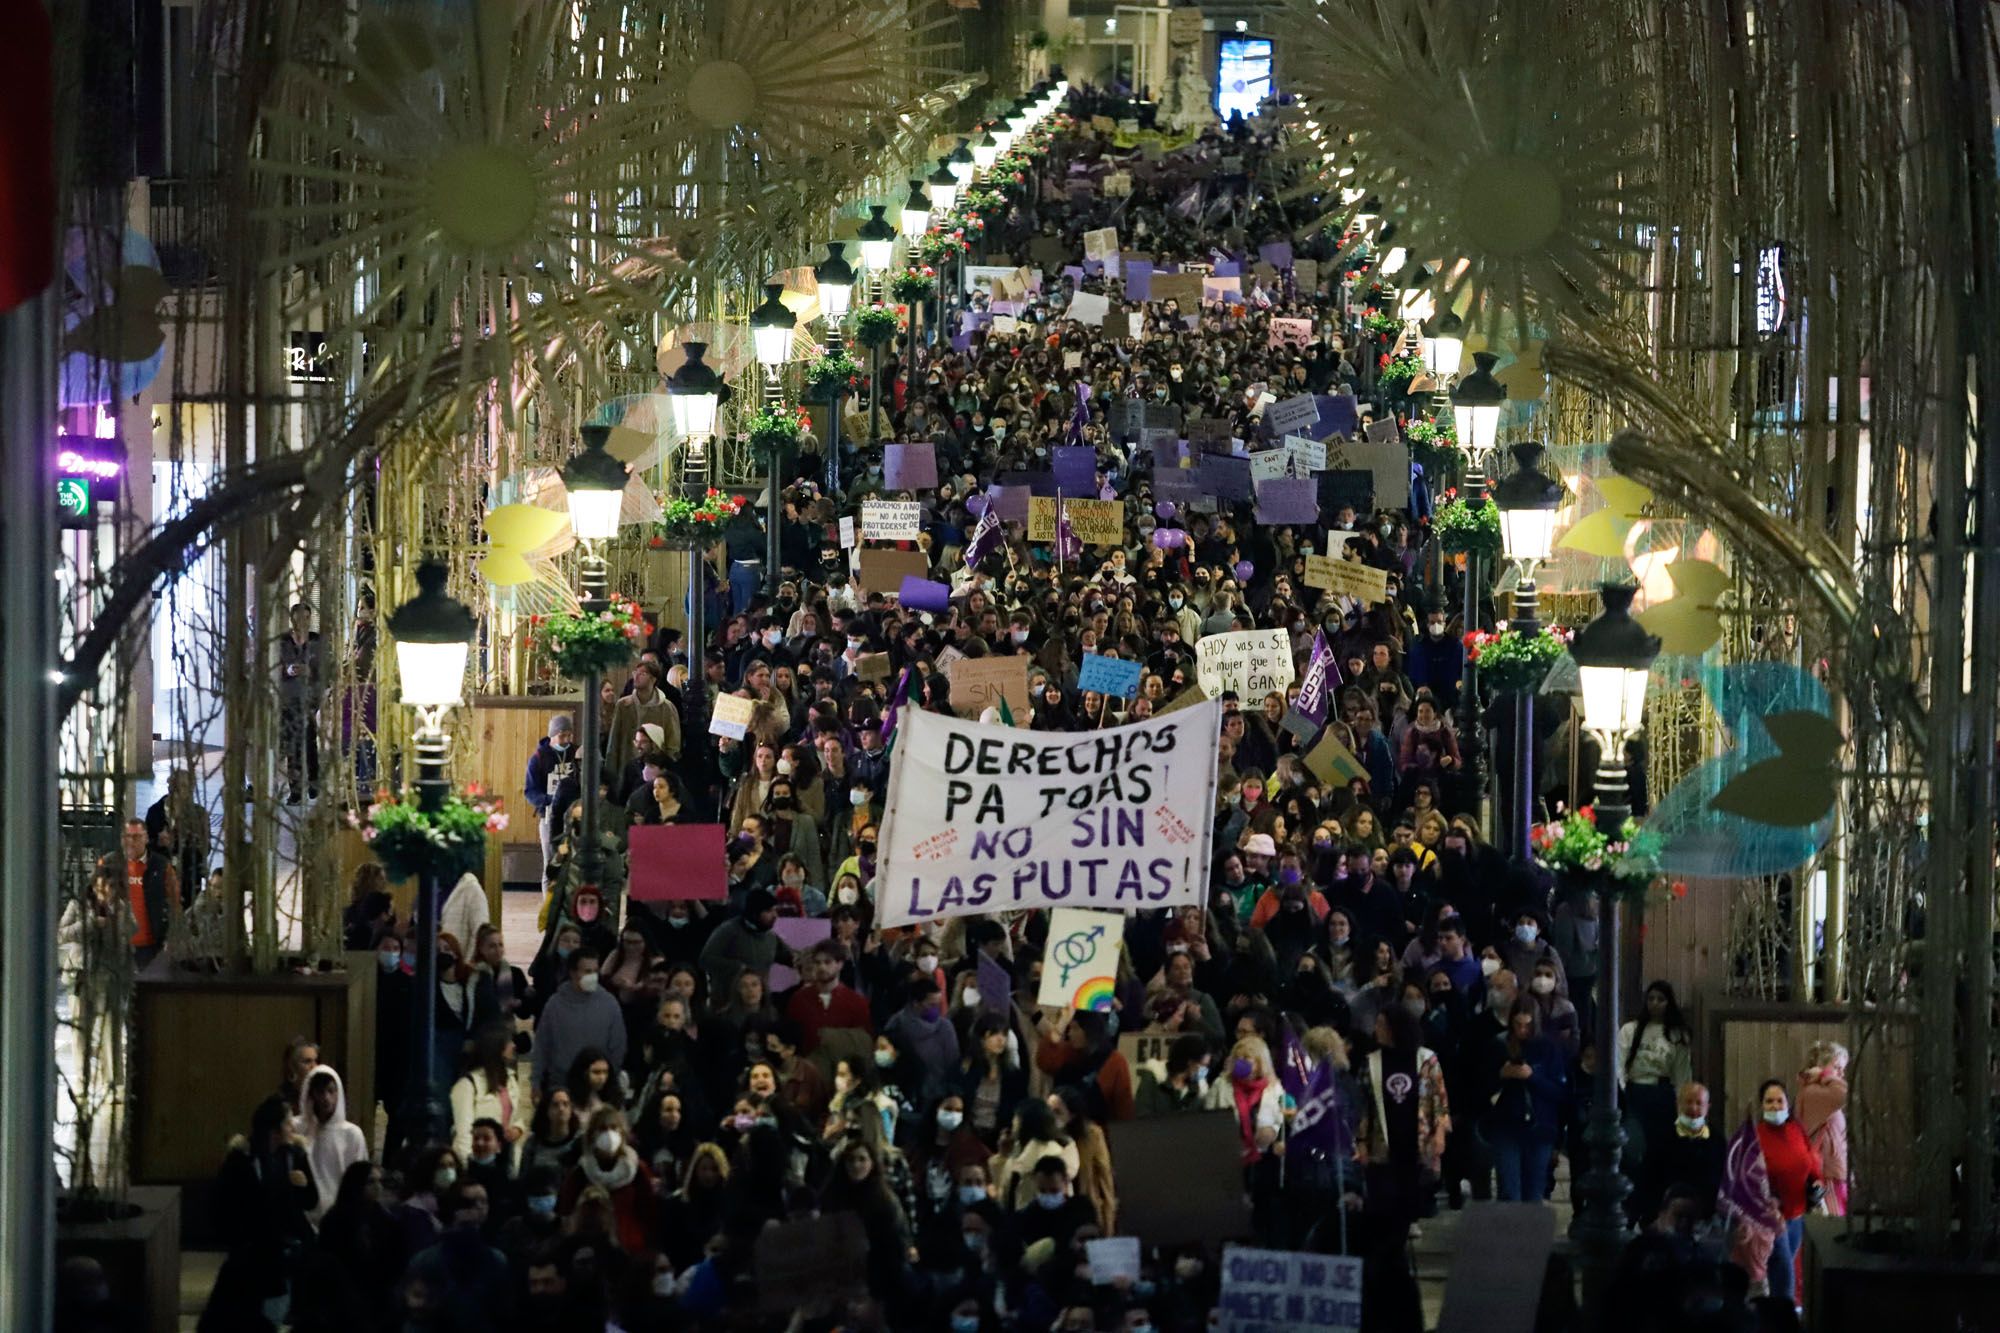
(208,1048)
(1852,1287)
(141,1255)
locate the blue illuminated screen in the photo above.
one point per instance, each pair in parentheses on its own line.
(1242,75)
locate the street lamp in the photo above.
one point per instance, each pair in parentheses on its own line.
(696,393)
(1527,500)
(1018,118)
(433,633)
(1614,658)
(916,213)
(1414,301)
(960,162)
(836,288)
(596,483)
(985,151)
(771,326)
(943,186)
(1443,345)
(878,239)
(1476,402)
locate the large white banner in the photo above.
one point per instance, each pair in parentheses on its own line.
(985,819)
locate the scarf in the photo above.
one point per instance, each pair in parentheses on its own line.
(614,1177)
(1746,1186)
(1249,1094)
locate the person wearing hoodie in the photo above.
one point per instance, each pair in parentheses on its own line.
(921,1030)
(1174,1083)
(553,761)
(744,944)
(332,1142)
(576,1018)
(465,910)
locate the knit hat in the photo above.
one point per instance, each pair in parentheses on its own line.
(1260,844)
(655,733)
(755,904)
(559,724)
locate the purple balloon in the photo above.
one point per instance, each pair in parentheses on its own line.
(1244,569)
(1168,539)
(1164,510)
(975,505)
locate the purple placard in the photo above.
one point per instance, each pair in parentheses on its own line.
(1338,415)
(961,342)
(1075,468)
(978,319)
(1180,485)
(1226,478)
(1010,502)
(909,467)
(1278,254)
(1074,272)
(1038,483)
(924,594)
(1167,454)
(1228,268)
(1288,500)
(996,987)
(1139,281)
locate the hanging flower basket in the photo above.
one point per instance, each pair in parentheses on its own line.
(1464,530)
(1378,323)
(439,844)
(914,284)
(1434,444)
(1585,857)
(1514,662)
(773,431)
(876,326)
(592,643)
(1397,374)
(829,375)
(686,524)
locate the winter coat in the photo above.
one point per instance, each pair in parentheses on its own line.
(934,1044)
(737,947)
(472,1099)
(547,766)
(465,911)
(331,1147)
(572,1022)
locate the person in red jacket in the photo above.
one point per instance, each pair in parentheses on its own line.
(1772,1176)
(822,1002)
(611,1163)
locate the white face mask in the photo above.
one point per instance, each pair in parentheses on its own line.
(663,1284)
(1691,1123)
(950,1120)
(969,997)
(1488,966)
(848,895)
(1778,1117)
(608,1142)
(587,982)
(1542,985)
(927,962)
(1526,932)
(857,798)
(784,768)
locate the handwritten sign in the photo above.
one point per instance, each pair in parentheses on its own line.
(1089,308)
(732,716)
(872,666)
(1291,332)
(1081,960)
(1111,676)
(980,683)
(1307,455)
(1292,414)
(846,531)
(1351,578)
(1285,1291)
(1333,763)
(1184,289)
(975,822)
(1270,464)
(1101,244)
(1252,662)
(893,520)
(1095,522)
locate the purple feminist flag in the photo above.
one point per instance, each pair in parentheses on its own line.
(1079,418)
(1321,675)
(896,702)
(1068,547)
(986,538)
(1319,1128)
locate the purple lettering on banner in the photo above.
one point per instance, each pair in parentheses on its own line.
(1075,468)
(1288,500)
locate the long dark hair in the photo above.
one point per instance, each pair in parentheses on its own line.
(489,1046)
(1675,1026)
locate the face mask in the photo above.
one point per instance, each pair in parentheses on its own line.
(487,1159)
(965,1323)
(1201,1076)
(950,1120)
(1018,636)
(587,910)
(1340,936)
(857,798)
(390,959)
(565,950)
(1241,1069)
(1252,795)
(1052,1200)
(784,768)
(884,1059)
(1175,602)
(1691,1123)
(975,1241)
(970,997)
(608,1142)
(1776,1117)
(855,644)
(587,982)
(542,1205)
(971,1194)
(1488,966)
(1526,933)
(1290,875)
(446,1177)
(1414,1007)
(927,962)
(848,895)
(772,638)
(678,922)
(1542,985)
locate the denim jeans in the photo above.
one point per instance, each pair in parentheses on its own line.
(744,580)
(1782,1268)
(1521,1164)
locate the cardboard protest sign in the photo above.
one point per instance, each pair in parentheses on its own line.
(1164,444)
(1338,415)
(1269,465)
(1141,1047)
(1080,963)
(1221,291)
(1346,486)
(1089,308)
(1291,332)
(1101,244)
(1288,499)
(1286,1291)
(979,683)
(1110,676)
(731,716)
(980,819)
(1263,275)
(1293,413)
(872,666)
(1075,468)
(1184,288)
(1307,455)
(1351,578)
(909,467)
(1333,763)
(924,594)
(1383,431)
(1180,1178)
(1252,662)
(1116,184)
(893,520)
(1387,461)
(1319,571)
(670,862)
(883,570)
(946,656)
(1178,484)
(810,1262)
(1005,324)
(1095,522)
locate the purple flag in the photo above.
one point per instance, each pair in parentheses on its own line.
(1068,548)
(1313,686)
(1080,417)
(896,702)
(996,987)
(1746,1185)
(1319,1127)
(986,538)
(1075,467)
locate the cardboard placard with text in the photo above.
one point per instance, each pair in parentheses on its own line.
(1183,288)
(884,570)
(731,716)
(979,683)
(1095,522)
(1351,578)
(1101,244)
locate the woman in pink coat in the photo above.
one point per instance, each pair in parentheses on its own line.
(1822,1111)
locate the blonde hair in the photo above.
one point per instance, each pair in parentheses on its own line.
(1257,1053)
(1325,1043)
(1826,1054)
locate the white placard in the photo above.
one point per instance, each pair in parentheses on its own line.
(1089,307)
(1307,455)
(846,531)
(1005,324)
(1252,662)
(1288,1291)
(1101,244)
(891,520)
(1080,970)
(1111,1257)
(983,819)
(1269,465)
(1294,412)
(732,716)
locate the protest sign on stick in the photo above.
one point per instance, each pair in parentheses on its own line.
(1287,1291)
(1252,662)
